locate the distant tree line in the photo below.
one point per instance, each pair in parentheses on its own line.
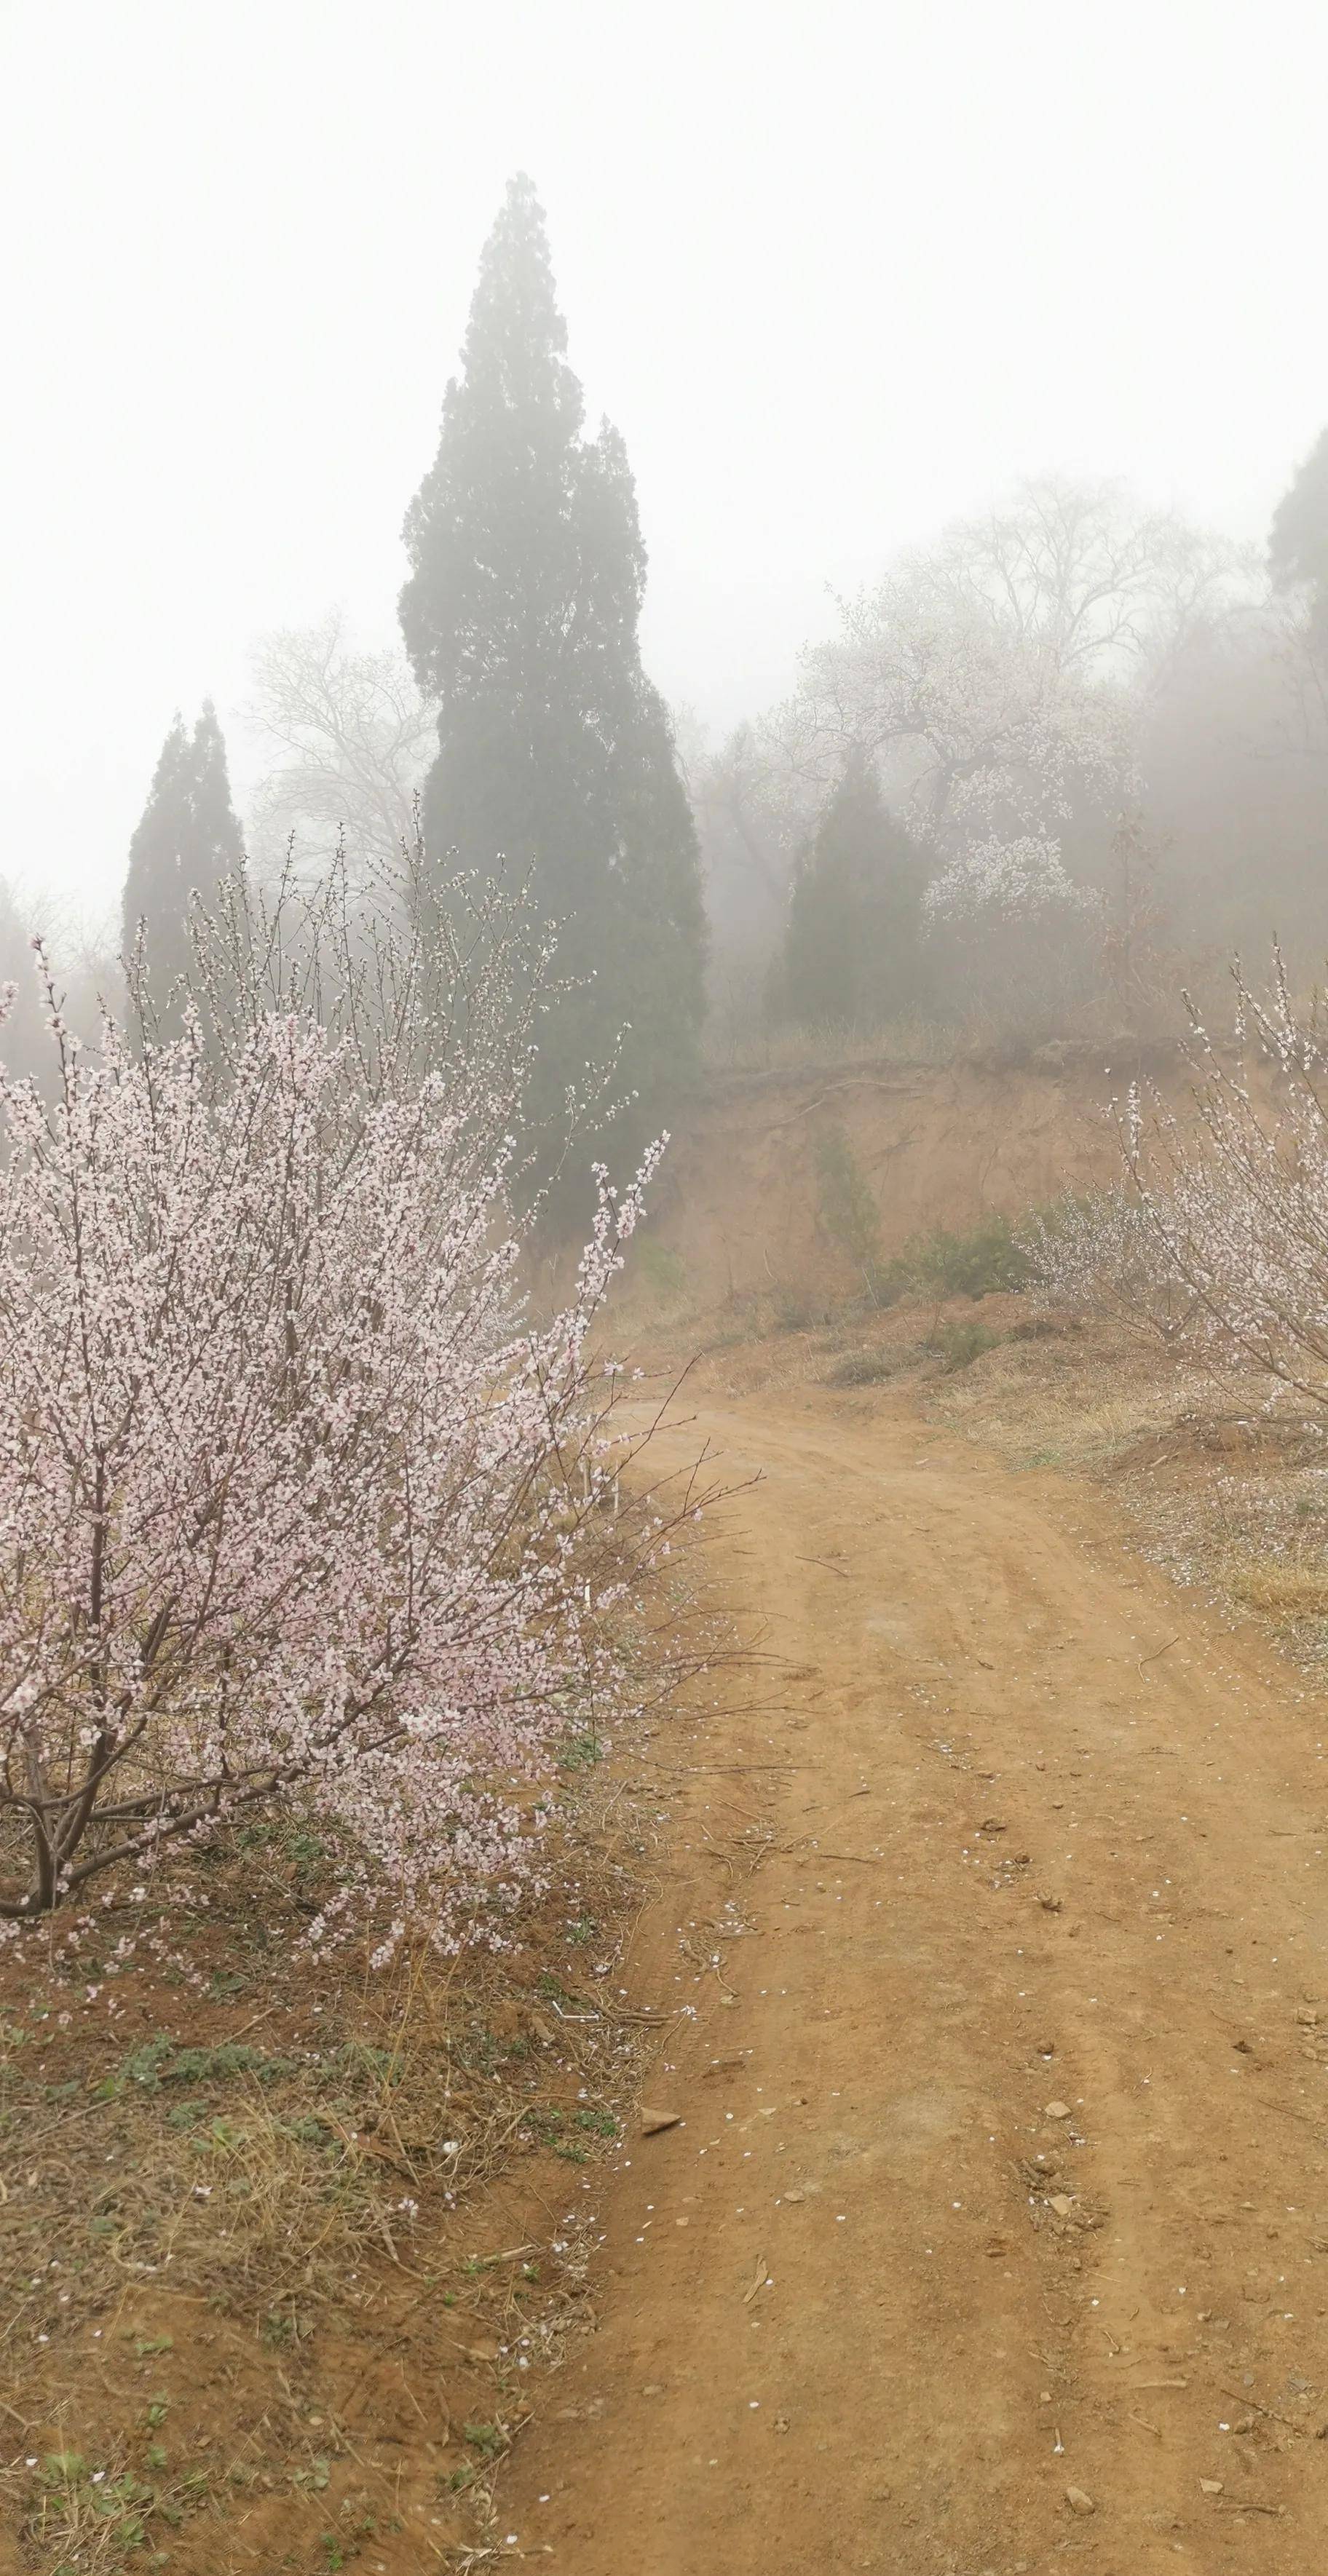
(1038,762)
(1100,737)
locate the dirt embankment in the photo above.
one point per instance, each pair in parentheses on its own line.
(742,1205)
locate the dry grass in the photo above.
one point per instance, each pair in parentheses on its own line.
(1294,1589)
(913,1039)
(256,2215)
(281,2234)
(1070,1401)
(1222,1494)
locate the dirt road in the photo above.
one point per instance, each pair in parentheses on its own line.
(995,2234)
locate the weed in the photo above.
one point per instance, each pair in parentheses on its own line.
(797,1313)
(865,1368)
(225,1982)
(480,2052)
(97,2517)
(279,2329)
(987,1259)
(958,1345)
(849,1211)
(579,1752)
(489,2440)
(1279,1587)
(661,1271)
(162,2061)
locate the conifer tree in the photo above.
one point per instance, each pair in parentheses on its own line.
(187,841)
(555,754)
(21,1024)
(1298,544)
(852,945)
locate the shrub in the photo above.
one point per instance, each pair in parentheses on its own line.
(1098,1250)
(958,1345)
(662,1271)
(986,1259)
(795,1311)
(1233,1201)
(1218,1227)
(865,1368)
(849,1212)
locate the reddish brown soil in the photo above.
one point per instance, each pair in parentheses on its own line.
(741,1204)
(1034,1830)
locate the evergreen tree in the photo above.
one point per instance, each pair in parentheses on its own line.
(187,841)
(24,1048)
(1298,543)
(852,945)
(555,753)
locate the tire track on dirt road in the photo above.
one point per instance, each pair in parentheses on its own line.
(997,2238)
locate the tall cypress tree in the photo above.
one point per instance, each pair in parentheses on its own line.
(187,841)
(23,1047)
(1298,542)
(852,945)
(555,753)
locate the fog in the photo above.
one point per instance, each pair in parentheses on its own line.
(838,275)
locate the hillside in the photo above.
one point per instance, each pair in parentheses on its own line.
(742,1203)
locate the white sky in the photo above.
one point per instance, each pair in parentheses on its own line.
(837,271)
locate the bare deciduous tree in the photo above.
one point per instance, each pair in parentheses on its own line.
(997,676)
(353,738)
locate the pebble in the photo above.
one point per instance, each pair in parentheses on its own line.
(1058,2110)
(1078,2502)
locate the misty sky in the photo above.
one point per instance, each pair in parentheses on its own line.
(837,271)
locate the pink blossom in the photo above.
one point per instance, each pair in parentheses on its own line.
(297,1503)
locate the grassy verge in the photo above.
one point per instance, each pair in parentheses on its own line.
(281,2240)
(1221,1493)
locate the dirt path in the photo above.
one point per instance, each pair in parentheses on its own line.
(1044,1835)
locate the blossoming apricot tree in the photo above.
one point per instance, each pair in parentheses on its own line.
(1217,1231)
(296,1503)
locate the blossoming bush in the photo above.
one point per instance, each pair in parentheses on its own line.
(295,1503)
(1236,1195)
(1219,1228)
(1101,1250)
